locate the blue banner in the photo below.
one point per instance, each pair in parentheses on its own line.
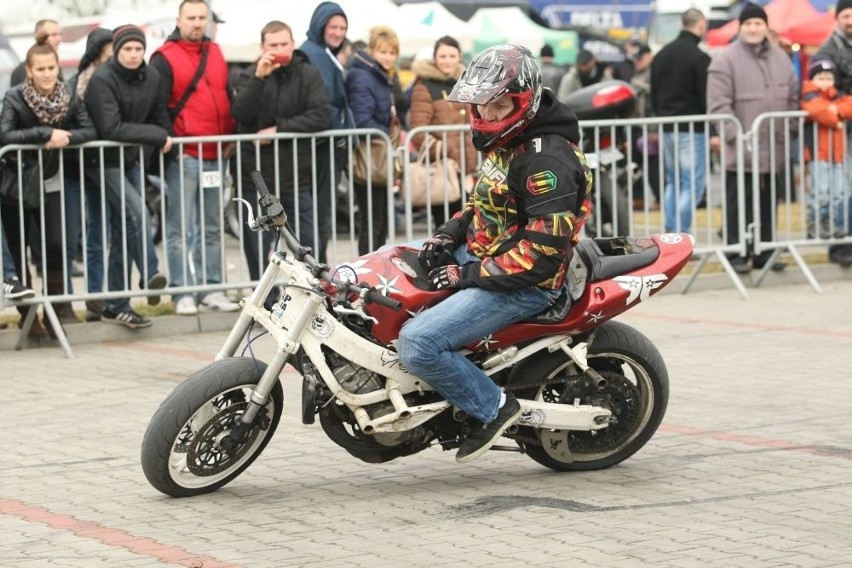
(603,14)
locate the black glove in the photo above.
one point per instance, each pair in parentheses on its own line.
(446,277)
(437,251)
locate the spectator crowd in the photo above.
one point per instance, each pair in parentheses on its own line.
(185,88)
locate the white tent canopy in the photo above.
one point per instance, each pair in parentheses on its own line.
(419,25)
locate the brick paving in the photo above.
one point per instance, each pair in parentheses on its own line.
(750,467)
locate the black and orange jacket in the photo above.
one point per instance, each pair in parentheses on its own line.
(823,131)
(529,203)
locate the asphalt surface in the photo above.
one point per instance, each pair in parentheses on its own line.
(749,468)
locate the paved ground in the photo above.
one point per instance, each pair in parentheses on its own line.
(750,467)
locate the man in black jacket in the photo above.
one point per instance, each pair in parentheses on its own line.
(679,88)
(125,102)
(271,98)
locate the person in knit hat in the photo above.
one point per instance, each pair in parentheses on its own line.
(752,10)
(746,79)
(838,48)
(825,149)
(125,101)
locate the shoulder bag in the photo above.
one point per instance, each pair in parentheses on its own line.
(437,182)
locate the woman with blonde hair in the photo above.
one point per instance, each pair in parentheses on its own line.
(369,87)
(435,79)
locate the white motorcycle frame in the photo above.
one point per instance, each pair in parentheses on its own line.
(303,320)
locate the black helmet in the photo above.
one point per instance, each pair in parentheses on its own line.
(497,71)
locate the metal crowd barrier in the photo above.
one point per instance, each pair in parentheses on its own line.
(619,177)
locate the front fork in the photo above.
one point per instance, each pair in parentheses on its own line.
(253,310)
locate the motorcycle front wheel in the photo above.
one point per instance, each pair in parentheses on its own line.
(636,391)
(182,453)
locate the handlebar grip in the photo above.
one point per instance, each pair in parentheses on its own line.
(375,297)
(259,184)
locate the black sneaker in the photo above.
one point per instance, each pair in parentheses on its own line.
(157,281)
(128,319)
(14,290)
(479,441)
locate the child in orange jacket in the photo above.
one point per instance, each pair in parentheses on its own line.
(825,148)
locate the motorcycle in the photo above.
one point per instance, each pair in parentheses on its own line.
(593,391)
(614,174)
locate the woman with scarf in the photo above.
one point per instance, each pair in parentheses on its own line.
(369,87)
(44,111)
(435,79)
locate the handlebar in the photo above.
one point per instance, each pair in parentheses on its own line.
(272,213)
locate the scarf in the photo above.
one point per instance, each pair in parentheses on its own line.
(49,109)
(83,80)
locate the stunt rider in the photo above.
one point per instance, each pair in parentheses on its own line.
(507,250)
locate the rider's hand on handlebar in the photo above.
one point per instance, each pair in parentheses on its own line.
(437,251)
(446,277)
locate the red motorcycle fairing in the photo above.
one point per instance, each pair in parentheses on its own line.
(396,273)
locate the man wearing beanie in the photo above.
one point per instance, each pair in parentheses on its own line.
(196,201)
(838,48)
(746,79)
(326,34)
(123,98)
(551,73)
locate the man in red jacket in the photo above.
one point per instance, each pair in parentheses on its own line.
(195,79)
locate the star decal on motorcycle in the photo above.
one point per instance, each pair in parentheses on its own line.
(487,341)
(640,287)
(595,318)
(387,287)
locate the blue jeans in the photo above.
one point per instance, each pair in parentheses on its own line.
(96,232)
(684,188)
(428,342)
(826,200)
(189,214)
(127,221)
(9,271)
(73,208)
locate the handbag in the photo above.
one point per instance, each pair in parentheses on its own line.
(376,164)
(30,190)
(436,182)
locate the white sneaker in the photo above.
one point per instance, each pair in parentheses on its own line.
(217,302)
(185,306)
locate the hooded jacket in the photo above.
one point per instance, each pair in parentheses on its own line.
(126,106)
(823,123)
(321,57)
(370,90)
(430,107)
(207,111)
(525,212)
(748,80)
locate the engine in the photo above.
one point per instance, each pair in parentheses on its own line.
(340,425)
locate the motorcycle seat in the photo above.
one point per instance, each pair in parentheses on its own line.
(607,257)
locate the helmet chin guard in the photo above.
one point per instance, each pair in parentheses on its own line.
(509,70)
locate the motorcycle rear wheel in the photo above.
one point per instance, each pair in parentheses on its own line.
(182,454)
(637,393)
